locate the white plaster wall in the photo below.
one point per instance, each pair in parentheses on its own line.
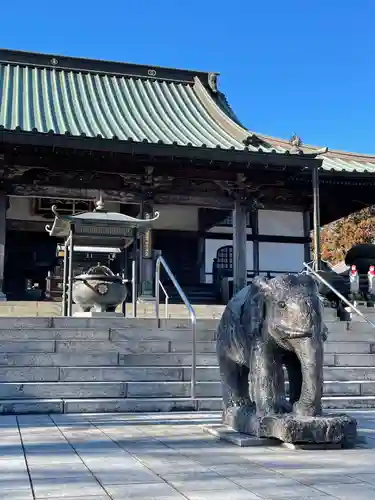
(177,217)
(226,230)
(20,208)
(280,223)
(212,246)
(281,256)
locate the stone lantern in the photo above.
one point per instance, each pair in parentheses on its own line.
(98,290)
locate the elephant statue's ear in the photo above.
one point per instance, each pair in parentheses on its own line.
(254,308)
(262,284)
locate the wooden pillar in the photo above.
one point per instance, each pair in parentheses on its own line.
(316,218)
(3,210)
(254,218)
(306,233)
(239,246)
(147,263)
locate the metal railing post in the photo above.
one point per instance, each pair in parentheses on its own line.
(64,308)
(134,288)
(193,317)
(157,291)
(70,275)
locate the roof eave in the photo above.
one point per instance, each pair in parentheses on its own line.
(157,150)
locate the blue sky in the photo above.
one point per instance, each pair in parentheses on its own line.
(304,67)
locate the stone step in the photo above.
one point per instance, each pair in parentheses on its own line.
(365,360)
(172,359)
(106,323)
(103,346)
(102,373)
(135,334)
(123,405)
(213,389)
(353,329)
(47,329)
(351,347)
(53,309)
(134,345)
(139,347)
(346,373)
(59,359)
(151,389)
(150,373)
(43,390)
(11,390)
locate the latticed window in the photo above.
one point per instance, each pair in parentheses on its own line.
(224,257)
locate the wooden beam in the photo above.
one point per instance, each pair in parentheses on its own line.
(218,202)
(40,191)
(239,246)
(27,225)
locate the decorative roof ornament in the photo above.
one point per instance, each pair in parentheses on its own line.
(296,143)
(212,82)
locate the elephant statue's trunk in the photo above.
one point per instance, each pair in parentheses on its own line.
(310,355)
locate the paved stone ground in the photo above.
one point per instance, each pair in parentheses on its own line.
(168,457)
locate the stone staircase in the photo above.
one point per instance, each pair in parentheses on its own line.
(77,365)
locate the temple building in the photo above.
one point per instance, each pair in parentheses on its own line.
(148,139)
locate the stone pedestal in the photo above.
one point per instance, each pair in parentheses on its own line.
(289,428)
(97,314)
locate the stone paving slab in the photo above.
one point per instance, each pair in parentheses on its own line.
(169,457)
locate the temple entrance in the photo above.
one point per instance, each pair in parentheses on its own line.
(180,250)
(28,258)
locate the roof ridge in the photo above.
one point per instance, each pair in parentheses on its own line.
(331,152)
(74,63)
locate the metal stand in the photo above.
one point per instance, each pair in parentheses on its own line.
(316,220)
(91,228)
(64,309)
(134,287)
(70,275)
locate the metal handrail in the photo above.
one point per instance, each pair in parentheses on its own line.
(166,299)
(193,317)
(338,294)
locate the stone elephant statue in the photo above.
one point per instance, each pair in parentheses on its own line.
(265,327)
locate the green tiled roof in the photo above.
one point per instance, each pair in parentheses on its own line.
(333,160)
(179,110)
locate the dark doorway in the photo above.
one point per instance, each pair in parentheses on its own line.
(28,258)
(180,250)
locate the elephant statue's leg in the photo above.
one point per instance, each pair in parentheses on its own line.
(267,389)
(235,383)
(310,355)
(293,367)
